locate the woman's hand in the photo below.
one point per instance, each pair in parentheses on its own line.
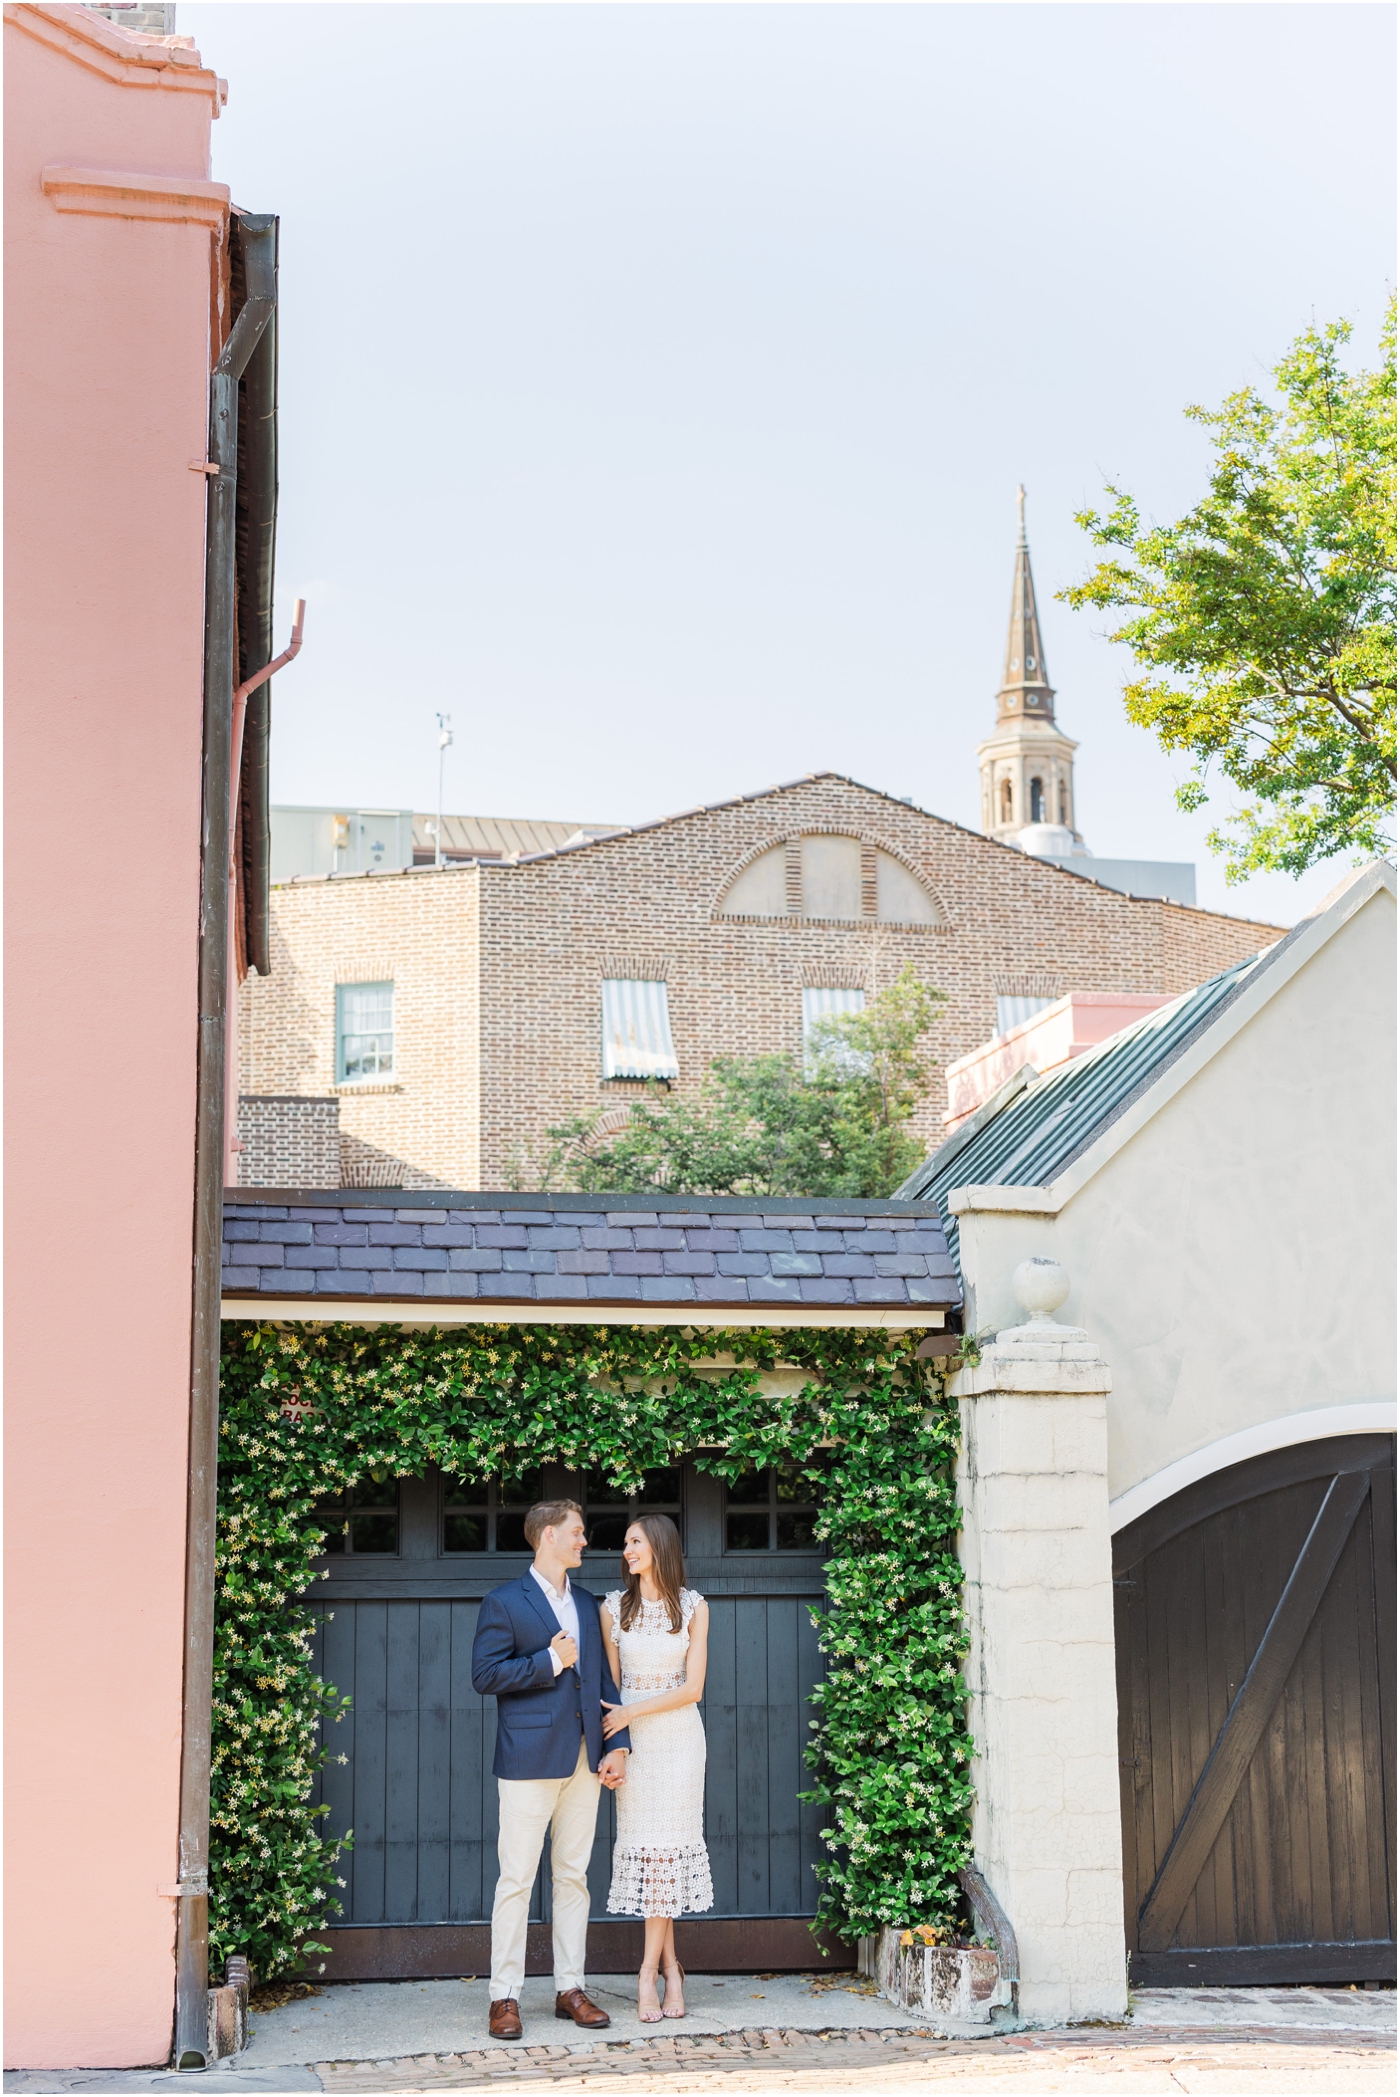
(614,1718)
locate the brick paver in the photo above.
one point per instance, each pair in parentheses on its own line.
(1241,2060)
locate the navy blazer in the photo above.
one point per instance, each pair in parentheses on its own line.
(540,1715)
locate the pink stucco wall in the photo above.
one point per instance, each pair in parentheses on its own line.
(107,340)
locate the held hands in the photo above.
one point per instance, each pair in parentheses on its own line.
(612,1770)
(565,1647)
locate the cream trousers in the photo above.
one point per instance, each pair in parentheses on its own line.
(568,1808)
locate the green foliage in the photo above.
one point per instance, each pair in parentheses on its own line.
(306,1412)
(1265,619)
(763,1125)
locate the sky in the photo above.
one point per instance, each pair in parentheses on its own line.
(656,380)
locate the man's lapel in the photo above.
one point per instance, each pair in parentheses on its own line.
(588,1630)
(534,1595)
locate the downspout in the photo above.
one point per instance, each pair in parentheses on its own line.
(236,741)
(255,527)
(258,237)
(257,550)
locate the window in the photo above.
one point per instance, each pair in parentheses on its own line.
(479,1517)
(606,1511)
(489,1517)
(773,1511)
(637,1030)
(363,1521)
(1064,804)
(1037,801)
(1012,1011)
(364,1030)
(838,879)
(822,1003)
(1006,800)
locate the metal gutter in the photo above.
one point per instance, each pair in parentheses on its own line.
(256,529)
(256,237)
(440,1312)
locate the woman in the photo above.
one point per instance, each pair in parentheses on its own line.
(654,1633)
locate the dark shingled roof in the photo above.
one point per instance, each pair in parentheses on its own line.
(362,1244)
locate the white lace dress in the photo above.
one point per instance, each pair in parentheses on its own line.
(660,1863)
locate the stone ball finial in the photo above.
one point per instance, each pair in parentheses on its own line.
(1040,1286)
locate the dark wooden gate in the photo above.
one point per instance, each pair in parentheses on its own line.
(398,1615)
(1256,1682)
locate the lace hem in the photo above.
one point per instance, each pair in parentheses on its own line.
(661,1881)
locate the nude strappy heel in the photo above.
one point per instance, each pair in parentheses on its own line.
(648,2016)
(666,2010)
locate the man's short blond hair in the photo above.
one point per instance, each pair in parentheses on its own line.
(548,1514)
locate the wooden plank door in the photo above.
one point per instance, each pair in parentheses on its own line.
(1255,1618)
(410,1767)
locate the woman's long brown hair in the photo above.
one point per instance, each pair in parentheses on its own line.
(667,1568)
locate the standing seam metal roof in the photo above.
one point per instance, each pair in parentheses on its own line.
(1040,1132)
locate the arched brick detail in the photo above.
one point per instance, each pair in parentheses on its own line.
(869,839)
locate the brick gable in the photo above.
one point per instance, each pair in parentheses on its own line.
(498,968)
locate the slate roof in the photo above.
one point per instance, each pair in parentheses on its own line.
(574,1248)
(1043,1129)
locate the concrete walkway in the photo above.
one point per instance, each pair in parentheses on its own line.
(378,2020)
(765,2035)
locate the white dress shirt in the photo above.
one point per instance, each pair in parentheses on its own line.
(565,1611)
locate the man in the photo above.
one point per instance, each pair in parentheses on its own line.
(539,1652)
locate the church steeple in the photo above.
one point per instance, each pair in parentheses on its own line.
(1028,762)
(1025,685)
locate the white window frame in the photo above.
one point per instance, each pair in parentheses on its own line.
(636,1030)
(383,1071)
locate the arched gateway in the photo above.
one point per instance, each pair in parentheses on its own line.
(1255,1638)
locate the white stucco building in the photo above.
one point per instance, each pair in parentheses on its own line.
(1188,1482)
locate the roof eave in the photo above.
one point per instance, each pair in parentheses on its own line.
(417,1311)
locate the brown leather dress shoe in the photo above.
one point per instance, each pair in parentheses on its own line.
(574,2004)
(505,2018)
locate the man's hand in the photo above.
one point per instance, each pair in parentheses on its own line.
(612,1770)
(564,1646)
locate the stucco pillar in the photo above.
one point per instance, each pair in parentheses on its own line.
(1033,1479)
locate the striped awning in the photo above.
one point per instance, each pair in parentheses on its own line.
(637,1030)
(821,1002)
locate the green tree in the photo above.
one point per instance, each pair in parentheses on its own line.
(840,1125)
(1264,621)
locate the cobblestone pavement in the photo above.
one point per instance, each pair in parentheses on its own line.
(1226,2042)
(1240,2059)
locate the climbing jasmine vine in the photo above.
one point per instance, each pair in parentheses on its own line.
(307,1412)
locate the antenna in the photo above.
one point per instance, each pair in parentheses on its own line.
(444,744)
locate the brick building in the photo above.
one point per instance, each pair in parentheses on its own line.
(456,1012)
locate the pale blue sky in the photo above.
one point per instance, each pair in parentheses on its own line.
(656,379)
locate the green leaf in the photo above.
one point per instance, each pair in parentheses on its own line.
(1263,622)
